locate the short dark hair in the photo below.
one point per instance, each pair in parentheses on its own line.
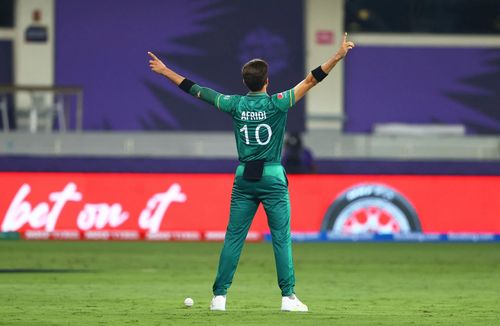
(255,74)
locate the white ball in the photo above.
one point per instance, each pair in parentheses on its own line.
(188,302)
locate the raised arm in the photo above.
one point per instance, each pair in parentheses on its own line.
(220,101)
(314,77)
(159,67)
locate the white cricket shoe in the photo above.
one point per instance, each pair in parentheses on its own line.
(292,303)
(218,303)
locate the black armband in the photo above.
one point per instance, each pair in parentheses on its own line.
(319,74)
(186,85)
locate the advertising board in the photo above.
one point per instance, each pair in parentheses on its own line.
(121,206)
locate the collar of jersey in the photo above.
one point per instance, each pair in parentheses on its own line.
(257,94)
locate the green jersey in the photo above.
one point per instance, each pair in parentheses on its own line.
(259,120)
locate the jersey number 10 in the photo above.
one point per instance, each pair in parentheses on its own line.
(257,134)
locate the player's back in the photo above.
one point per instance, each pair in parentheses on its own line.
(259,125)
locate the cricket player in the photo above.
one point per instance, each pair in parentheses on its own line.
(259,126)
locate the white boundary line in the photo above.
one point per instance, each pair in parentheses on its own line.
(425,40)
(7,34)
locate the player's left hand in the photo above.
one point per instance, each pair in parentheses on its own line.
(345,47)
(156,64)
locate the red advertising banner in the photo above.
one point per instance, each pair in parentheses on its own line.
(196,206)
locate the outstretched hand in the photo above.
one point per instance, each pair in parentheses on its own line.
(345,47)
(156,64)
(159,67)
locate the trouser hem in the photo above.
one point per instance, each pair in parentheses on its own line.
(220,292)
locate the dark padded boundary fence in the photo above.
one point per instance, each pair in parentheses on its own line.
(184,165)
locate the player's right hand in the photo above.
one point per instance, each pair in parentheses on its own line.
(156,64)
(345,47)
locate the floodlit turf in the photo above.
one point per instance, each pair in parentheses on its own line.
(122,283)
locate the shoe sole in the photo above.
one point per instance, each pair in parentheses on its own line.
(217,309)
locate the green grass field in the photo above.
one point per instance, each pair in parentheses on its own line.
(144,283)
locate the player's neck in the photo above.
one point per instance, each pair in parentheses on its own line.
(263,90)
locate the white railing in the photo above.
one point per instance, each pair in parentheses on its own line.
(56,107)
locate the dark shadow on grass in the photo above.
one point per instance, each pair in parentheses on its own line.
(42,270)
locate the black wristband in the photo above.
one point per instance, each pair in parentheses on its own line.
(319,74)
(186,85)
